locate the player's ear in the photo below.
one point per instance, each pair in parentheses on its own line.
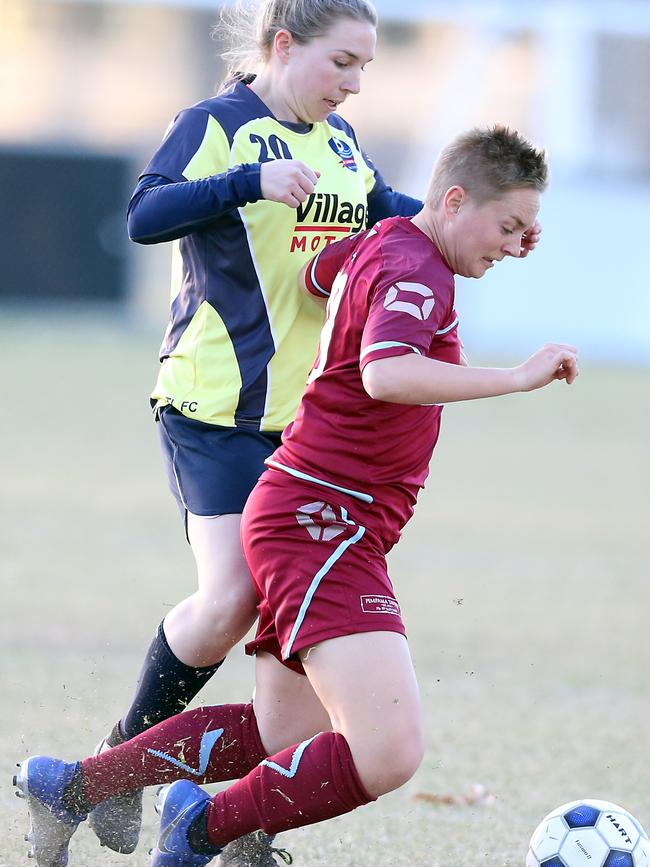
(282,45)
(452,200)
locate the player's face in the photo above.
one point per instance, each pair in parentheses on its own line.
(321,74)
(481,235)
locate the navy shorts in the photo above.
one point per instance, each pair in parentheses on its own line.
(211,469)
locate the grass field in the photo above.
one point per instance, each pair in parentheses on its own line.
(523,578)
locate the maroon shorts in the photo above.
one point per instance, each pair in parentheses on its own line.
(318,571)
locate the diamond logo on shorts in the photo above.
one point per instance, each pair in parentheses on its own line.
(411,298)
(380,605)
(322,521)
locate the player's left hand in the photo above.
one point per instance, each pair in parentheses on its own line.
(530,240)
(554,361)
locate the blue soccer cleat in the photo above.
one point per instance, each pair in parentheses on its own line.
(179,805)
(41,781)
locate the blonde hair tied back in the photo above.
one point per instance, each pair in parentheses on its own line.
(248,27)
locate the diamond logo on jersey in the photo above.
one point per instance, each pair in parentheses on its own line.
(322,521)
(344,151)
(411,298)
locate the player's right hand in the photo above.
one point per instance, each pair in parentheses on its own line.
(552,362)
(287,181)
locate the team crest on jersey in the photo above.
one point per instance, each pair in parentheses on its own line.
(411,298)
(322,521)
(344,151)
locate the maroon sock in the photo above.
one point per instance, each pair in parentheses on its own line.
(303,784)
(205,745)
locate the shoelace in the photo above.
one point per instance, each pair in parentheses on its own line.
(281,853)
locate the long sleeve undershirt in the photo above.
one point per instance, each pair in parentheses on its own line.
(164,210)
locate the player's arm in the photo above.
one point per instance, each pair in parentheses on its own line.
(316,277)
(164,210)
(188,183)
(415,379)
(464,360)
(305,283)
(384,202)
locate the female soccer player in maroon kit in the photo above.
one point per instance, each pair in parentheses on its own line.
(317,526)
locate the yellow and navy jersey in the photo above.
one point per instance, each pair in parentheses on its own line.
(242,336)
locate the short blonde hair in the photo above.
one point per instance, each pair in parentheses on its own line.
(486,163)
(249,27)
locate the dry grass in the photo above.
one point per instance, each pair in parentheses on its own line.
(524,580)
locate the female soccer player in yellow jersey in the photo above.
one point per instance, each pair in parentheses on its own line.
(249,185)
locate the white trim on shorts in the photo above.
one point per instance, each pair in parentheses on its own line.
(313,587)
(359,495)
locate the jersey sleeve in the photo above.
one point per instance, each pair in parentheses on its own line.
(384,202)
(404,317)
(194,146)
(188,182)
(324,267)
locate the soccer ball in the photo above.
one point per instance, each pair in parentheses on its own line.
(589,834)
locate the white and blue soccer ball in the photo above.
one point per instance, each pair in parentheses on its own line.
(589,833)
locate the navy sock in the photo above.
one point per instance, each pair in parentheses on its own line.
(165,687)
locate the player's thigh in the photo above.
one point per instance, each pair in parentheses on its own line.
(211,471)
(286,707)
(223,575)
(367,684)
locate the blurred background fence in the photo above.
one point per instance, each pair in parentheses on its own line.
(87,89)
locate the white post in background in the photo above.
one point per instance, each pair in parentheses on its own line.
(457,54)
(567,42)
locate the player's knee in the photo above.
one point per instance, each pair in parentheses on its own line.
(394,759)
(227,601)
(238,601)
(219,622)
(401,761)
(228,622)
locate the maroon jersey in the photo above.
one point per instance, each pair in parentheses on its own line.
(390,293)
